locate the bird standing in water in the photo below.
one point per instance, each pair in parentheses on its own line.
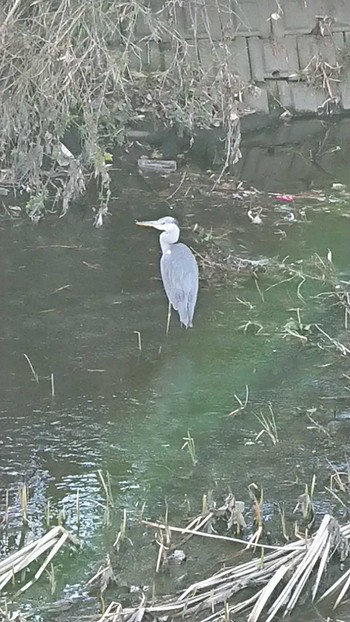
(178,268)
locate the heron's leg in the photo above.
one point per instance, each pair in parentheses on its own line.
(168,319)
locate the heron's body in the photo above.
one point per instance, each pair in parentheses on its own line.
(178,268)
(179,271)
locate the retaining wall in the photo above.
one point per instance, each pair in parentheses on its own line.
(295,54)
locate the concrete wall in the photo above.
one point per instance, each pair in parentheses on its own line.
(295,54)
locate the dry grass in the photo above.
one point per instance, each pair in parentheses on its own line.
(76,69)
(276,582)
(55,71)
(16,563)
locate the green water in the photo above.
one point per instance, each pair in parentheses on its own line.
(73,298)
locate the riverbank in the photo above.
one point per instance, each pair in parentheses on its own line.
(70,100)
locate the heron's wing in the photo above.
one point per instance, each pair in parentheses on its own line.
(179,272)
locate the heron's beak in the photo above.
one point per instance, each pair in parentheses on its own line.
(147,223)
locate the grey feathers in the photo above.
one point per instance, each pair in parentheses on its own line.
(179,272)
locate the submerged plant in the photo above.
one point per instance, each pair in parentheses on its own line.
(107,489)
(191,448)
(52,578)
(35,206)
(24,500)
(269,426)
(297,328)
(257,497)
(306,506)
(121,535)
(35,375)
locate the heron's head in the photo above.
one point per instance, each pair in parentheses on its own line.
(169,226)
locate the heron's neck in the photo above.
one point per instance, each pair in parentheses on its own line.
(167,239)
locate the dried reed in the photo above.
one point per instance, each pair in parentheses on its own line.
(277,581)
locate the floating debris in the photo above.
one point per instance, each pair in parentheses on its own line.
(178,556)
(255,216)
(64,155)
(157,166)
(285,198)
(337,186)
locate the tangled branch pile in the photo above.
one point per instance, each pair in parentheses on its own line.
(78,69)
(274,583)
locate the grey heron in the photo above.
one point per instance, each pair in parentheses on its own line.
(178,268)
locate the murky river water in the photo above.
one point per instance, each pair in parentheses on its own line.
(74,299)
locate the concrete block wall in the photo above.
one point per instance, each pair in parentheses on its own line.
(288,53)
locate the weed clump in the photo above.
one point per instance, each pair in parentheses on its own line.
(75,74)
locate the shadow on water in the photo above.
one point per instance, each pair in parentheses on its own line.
(74,299)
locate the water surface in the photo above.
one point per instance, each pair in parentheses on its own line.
(75,298)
